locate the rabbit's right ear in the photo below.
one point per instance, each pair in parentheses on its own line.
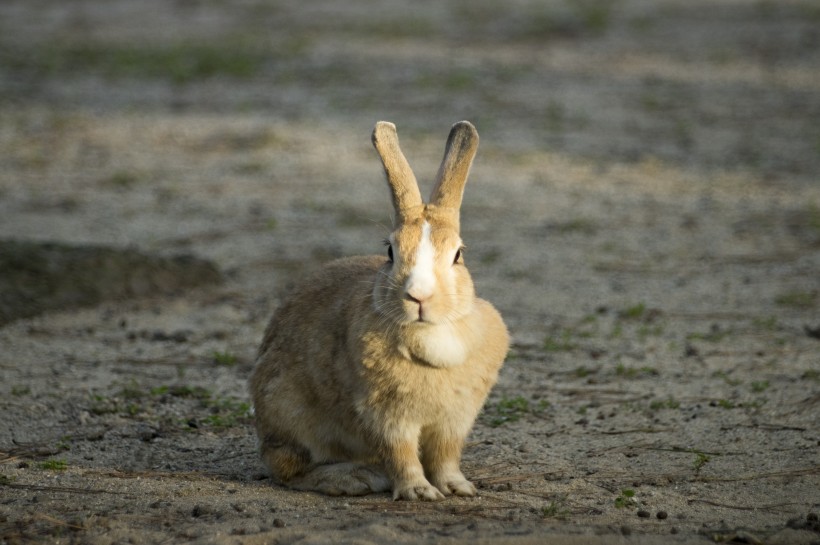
(403,186)
(455,167)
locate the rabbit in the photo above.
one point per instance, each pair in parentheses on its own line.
(371,373)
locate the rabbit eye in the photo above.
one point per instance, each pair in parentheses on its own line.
(390,252)
(458,256)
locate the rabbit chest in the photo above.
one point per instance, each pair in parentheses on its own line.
(438,346)
(402,386)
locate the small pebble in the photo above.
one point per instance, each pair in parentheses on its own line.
(643,513)
(279,523)
(662,515)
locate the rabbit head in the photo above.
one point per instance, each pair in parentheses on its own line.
(425,282)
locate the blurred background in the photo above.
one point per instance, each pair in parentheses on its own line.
(714,83)
(240,130)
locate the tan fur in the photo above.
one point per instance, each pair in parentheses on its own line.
(353,394)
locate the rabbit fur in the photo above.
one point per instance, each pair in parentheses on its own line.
(371,373)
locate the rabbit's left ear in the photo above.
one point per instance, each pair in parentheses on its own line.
(403,186)
(461,148)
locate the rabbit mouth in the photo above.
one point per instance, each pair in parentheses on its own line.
(420,313)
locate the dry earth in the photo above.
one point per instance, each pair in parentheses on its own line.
(644,210)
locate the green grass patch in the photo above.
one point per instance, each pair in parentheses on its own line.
(583,372)
(559,343)
(225,359)
(648,330)
(226,412)
(100,405)
(564,339)
(53,465)
(131,391)
(626,499)
(64,443)
(635,312)
(18,391)
(797,299)
(726,378)
(701,459)
(811,374)
(660,404)
(768,323)
(726,404)
(555,509)
(760,386)
(511,409)
(714,335)
(209,410)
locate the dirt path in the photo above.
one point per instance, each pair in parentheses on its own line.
(644,210)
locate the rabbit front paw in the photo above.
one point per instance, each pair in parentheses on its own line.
(456,485)
(418,491)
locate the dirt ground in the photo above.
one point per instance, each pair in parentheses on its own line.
(644,210)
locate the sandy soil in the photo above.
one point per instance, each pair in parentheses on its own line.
(644,211)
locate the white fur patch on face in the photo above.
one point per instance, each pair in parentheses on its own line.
(421,284)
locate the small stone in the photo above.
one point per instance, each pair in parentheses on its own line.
(662,515)
(279,523)
(673,530)
(158,336)
(644,514)
(626,530)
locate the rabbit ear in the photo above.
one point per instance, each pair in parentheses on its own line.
(458,156)
(403,186)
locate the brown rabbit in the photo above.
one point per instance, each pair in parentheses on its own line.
(371,374)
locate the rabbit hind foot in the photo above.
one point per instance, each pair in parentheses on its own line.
(342,479)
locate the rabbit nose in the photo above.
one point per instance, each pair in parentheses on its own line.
(419,288)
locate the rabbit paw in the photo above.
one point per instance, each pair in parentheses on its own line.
(423,491)
(456,485)
(343,479)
